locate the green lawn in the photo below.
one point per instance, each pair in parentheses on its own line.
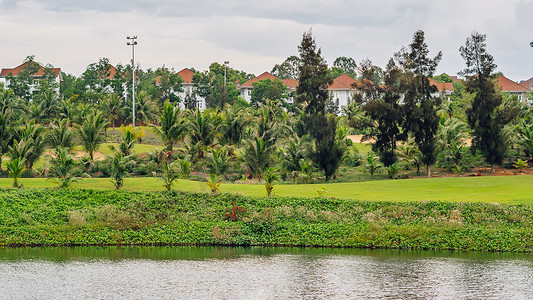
(498,189)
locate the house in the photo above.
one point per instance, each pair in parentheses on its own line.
(508,86)
(527,83)
(342,89)
(246,88)
(444,88)
(39,74)
(188,88)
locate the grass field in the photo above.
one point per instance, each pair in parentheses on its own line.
(497,189)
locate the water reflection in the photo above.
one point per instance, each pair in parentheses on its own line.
(260,273)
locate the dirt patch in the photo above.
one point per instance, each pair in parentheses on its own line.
(97,155)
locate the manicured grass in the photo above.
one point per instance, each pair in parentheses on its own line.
(498,189)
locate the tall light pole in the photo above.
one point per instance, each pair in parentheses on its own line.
(225,66)
(132,41)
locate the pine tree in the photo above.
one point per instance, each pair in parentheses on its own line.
(386,111)
(484,117)
(312,95)
(420,106)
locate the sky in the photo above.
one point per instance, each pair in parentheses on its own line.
(255,35)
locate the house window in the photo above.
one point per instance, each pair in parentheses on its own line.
(249,92)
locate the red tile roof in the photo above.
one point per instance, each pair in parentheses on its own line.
(343,82)
(527,83)
(15,71)
(186,75)
(442,86)
(290,83)
(265,75)
(507,85)
(111,72)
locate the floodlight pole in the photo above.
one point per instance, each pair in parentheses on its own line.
(225,66)
(133,42)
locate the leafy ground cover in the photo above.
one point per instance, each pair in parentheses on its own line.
(491,189)
(45,217)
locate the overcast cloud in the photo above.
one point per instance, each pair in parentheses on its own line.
(255,35)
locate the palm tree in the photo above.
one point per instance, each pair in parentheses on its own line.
(112,107)
(257,156)
(520,165)
(118,169)
(91,133)
(233,125)
(49,103)
(7,122)
(452,129)
(294,150)
(15,168)
(525,136)
(372,163)
(33,136)
(218,160)
(172,125)
(60,135)
(144,109)
(202,129)
(169,175)
(271,177)
(63,165)
(213,182)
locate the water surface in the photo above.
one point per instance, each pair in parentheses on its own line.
(260,273)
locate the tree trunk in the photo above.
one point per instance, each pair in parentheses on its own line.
(491,168)
(428,168)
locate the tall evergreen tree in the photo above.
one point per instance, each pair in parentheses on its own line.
(484,117)
(420,104)
(312,95)
(386,111)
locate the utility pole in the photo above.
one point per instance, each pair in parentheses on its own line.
(132,41)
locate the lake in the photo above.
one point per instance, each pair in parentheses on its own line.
(260,273)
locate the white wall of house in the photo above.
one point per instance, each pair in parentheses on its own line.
(344,96)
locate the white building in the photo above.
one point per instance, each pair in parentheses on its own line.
(342,89)
(189,89)
(56,72)
(246,88)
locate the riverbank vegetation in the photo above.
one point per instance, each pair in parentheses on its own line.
(46,217)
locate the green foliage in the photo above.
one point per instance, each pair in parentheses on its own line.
(268,89)
(15,167)
(393,170)
(484,117)
(91,133)
(60,135)
(213,183)
(62,167)
(271,178)
(185,168)
(118,169)
(289,69)
(218,160)
(387,114)
(50,217)
(520,165)
(169,175)
(347,65)
(372,163)
(420,105)
(172,126)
